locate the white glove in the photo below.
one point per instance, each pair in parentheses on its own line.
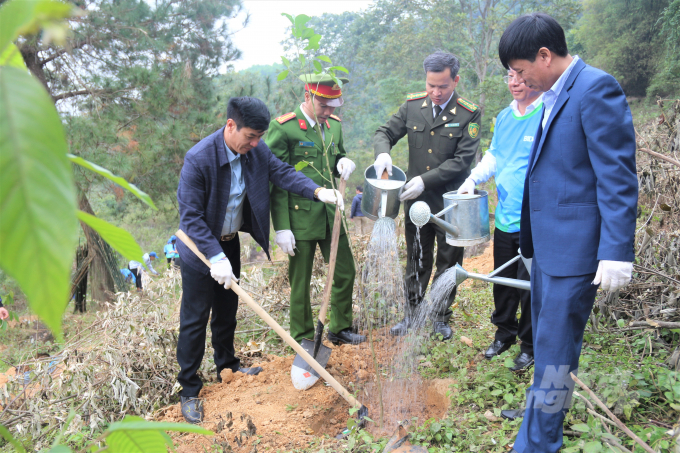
(613,275)
(221,271)
(345,168)
(467,187)
(413,189)
(330,196)
(286,241)
(382,162)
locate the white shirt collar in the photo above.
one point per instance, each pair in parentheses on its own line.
(553,93)
(231,156)
(311,121)
(443,106)
(530,108)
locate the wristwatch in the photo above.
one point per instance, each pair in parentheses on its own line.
(316,192)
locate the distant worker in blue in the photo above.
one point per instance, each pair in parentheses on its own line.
(136,268)
(170,251)
(360,221)
(507,160)
(129,276)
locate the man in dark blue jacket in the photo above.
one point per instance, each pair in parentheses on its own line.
(224,189)
(578,212)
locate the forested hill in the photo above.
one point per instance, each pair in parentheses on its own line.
(384,46)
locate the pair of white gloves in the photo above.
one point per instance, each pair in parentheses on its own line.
(412,189)
(285,238)
(610,275)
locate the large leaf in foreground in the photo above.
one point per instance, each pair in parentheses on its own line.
(27,16)
(38,227)
(118,238)
(136,435)
(117,179)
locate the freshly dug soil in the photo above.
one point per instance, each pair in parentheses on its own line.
(266,413)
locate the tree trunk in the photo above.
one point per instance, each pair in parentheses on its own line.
(101,280)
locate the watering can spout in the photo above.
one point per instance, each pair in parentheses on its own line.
(420,215)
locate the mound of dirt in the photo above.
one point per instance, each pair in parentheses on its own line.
(265,412)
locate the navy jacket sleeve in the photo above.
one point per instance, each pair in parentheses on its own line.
(192,197)
(607,123)
(283,175)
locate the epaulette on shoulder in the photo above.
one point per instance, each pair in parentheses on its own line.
(287,117)
(336,118)
(414,96)
(467,104)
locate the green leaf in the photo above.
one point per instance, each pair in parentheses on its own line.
(27,16)
(435,427)
(317,67)
(11,56)
(300,165)
(324,58)
(134,434)
(336,80)
(509,362)
(592,447)
(313,43)
(118,238)
(301,20)
(302,60)
(285,61)
(339,68)
(4,432)
(581,428)
(38,227)
(620,323)
(117,179)
(290,18)
(509,398)
(60,449)
(282,75)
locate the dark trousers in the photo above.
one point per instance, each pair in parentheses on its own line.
(138,276)
(200,294)
(417,277)
(560,307)
(506,299)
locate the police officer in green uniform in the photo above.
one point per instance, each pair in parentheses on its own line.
(300,224)
(443,136)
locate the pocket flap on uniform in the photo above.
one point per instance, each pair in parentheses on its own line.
(413,126)
(452,132)
(305,151)
(298,203)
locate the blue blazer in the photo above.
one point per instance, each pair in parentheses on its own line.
(203,194)
(581,191)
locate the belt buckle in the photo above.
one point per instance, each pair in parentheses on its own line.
(227,237)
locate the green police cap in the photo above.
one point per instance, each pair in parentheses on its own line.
(324,86)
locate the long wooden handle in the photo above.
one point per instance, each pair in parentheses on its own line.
(335,238)
(277,328)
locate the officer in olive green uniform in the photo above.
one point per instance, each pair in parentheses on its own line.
(301,224)
(443,136)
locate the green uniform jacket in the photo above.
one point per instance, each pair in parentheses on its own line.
(293,140)
(440,151)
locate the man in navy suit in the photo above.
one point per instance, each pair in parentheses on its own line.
(224,189)
(578,212)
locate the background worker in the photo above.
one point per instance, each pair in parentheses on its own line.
(443,136)
(224,189)
(361,222)
(128,276)
(578,211)
(170,250)
(136,268)
(301,225)
(507,160)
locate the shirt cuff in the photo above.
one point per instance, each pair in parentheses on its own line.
(216,258)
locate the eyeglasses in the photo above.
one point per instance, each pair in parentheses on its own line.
(507,79)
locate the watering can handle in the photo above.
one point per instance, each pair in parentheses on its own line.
(446,209)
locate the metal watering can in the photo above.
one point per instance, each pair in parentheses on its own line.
(462,275)
(466,217)
(381,196)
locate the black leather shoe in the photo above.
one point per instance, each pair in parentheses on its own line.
(192,409)
(442,328)
(512,414)
(497,348)
(253,371)
(522,361)
(401,328)
(345,336)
